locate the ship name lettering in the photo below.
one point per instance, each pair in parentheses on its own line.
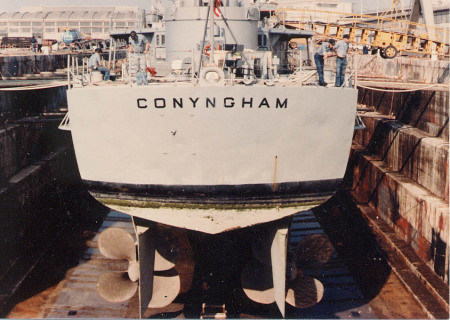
(161,105)
(228,102)
(176,102)
(193,101)
(264,103)
(247,102)
(281,105)
(139,103)
(212,103)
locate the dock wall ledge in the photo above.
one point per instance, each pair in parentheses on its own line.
(417,155)
(20,198)
(399,167)
(15,105)
(406,69)
(418,217)
(426,110)
(17,65)
(26,141)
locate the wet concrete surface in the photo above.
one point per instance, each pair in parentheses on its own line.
(358,281)
(354,241)
(59,246)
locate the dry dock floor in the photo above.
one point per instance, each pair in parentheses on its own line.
(358,282)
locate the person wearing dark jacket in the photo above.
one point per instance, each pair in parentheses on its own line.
(33,42)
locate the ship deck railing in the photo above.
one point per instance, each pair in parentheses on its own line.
(289,68)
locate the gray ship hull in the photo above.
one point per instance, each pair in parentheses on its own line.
(212,159)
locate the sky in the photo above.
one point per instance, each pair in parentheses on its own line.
(15,5)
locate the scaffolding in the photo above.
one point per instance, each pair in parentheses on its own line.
(391,32)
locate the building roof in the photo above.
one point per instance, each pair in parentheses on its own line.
(72,13)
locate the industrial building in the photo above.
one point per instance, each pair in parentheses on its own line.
(50,22)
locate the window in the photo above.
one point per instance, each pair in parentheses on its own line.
(36,23)
(163,40)
(25,23)
(157,40)
(98,30)
(61,24)
(120,24)
(327,5)
(3,23)
(262,40)
(49,24)
(13,30)
(50,30)
(37,30)
(441,17)
(16,24)
(85,23)
(73,24)
(96,23)
(131,24)
(25,30)
(105,29)
(85,30)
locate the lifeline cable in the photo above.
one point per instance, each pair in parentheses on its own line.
(397,90)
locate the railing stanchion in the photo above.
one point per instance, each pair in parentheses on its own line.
(68,71)
(301,68)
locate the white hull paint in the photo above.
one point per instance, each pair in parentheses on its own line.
(138,136)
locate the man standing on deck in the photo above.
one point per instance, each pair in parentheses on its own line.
(138,49)
(33,44)
(94,64)
(325,50)
(39,44)
(341,50)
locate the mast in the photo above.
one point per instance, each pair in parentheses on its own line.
(211,30)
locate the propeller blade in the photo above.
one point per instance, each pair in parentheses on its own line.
(157,289)
(116,287)
(257,282)
(313,250)
(304,292)
(166,287)
(115,243)
(167,250)
(261,245)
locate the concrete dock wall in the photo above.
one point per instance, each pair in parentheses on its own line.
(27,141)
(408,150)
(35,160)
(401,68)
(426,110)
(399,166)
(18,104)
(17,65)
(405,69)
